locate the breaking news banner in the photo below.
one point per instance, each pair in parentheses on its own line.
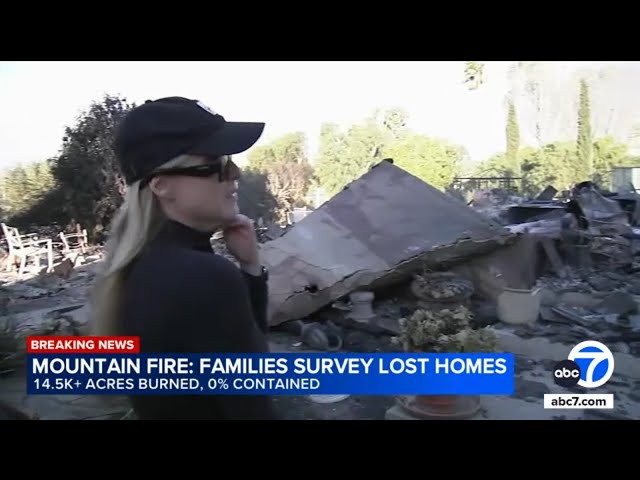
(114,366)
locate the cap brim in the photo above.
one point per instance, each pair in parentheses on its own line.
(232,138)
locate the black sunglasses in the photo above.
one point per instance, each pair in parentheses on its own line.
(223,166)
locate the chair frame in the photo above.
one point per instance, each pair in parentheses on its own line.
(25,246)
(74,242)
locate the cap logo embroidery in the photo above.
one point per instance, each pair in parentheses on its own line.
(205,108)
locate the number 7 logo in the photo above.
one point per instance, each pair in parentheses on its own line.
(598,353)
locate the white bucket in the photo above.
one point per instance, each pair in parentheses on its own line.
(519,307)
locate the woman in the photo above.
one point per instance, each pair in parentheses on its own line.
(162,281)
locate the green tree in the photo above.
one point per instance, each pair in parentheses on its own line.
(345,156)
(290,147)
(553,164)
(585,142)
(513,140)
(331,172)
(557,164)
(284,164)
(23,189)
(87,172)
(13,187)
(435,161)
(609,153)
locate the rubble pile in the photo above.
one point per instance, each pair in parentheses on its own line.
(591,248)
(575,314)
(582,244)
(494,204)
(578,254)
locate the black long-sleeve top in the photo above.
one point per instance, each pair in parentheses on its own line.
(179,296)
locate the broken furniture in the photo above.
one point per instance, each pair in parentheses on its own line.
(74,242)
(25,246)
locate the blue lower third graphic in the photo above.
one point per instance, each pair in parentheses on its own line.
(272,374)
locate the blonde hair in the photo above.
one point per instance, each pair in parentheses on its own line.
(134,225)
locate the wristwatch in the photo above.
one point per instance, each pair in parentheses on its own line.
(263,274)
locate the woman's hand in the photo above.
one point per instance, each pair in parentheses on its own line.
(242,242)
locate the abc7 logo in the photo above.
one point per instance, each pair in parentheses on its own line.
(593,374)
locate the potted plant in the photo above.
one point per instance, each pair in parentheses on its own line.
(443,331)
(433,331)
(422,331)
(466,340)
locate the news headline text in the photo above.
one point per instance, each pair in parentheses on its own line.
(277,373)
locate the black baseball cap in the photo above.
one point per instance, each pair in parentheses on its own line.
(160,130)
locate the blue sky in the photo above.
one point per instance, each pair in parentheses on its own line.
(40,98)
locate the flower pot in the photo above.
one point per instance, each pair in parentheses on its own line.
(444,402)
(441,407)
(519,307)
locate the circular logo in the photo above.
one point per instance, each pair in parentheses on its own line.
(595,362)
(566,373)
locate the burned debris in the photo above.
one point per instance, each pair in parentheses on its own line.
(392,263)
(541,274)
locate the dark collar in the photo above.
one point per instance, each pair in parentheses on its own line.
(180,234)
